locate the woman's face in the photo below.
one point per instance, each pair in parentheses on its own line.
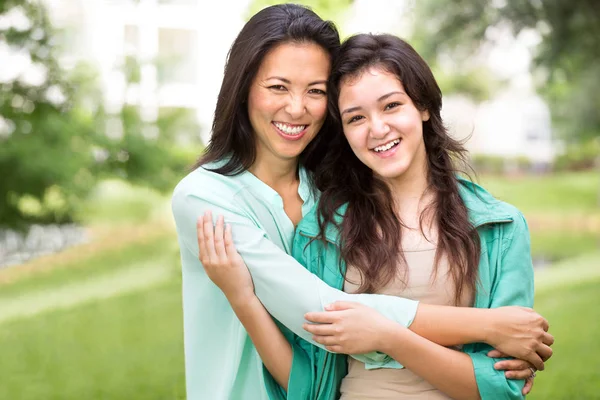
(287,102)
(382,124)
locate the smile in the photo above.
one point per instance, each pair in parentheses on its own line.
(387,146)
(290,129)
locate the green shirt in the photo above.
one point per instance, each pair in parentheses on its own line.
(220,360)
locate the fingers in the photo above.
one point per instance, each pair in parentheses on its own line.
(548,339)
(228,240)
(323,317)
(219,239)
(545,352)
(535,360)
(514,365)
(496,354)
(327,340)
(201,245)
(341,305)
(209,240)
(528,386)
(320,329)
(520,374)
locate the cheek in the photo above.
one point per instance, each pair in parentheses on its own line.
(318,109)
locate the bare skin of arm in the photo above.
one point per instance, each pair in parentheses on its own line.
(450,371)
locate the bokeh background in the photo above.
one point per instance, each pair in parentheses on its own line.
(104,104)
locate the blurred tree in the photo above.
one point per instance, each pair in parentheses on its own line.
(57,141)
(45,139)
(567,61)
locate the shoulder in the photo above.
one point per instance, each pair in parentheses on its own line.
(485,209)
(204,186)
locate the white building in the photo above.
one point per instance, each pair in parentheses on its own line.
(181,44)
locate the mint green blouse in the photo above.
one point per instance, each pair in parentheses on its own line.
(220,359)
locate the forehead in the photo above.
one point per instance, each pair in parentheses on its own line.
(368,83)
(296,61)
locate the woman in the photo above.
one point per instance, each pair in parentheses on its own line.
(271,126)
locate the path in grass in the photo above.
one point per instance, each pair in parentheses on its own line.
(93,288)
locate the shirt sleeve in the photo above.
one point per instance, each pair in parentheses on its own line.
(512,286)
(284,286)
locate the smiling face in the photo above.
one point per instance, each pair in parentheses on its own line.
(287,101)
(382,125)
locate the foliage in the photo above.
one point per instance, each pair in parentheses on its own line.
(56,139)
(567,60)
(579,156)
(45,139)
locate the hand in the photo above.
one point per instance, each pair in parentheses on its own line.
(349,328)
(522,333)
(515,369)
(221,261)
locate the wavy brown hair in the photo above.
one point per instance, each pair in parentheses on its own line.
(371,230)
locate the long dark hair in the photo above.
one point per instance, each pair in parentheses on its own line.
(232,134)
(371,228)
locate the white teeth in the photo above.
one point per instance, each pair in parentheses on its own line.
(387,146)
(290,130)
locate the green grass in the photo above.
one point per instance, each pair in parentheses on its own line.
(116,201)
(119,340)
(564,193)
(124,348)
(556,245)
(572,372)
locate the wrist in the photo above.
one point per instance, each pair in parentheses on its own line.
(241,302)
(488,329)
(390,337)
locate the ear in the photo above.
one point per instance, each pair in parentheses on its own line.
(425,115)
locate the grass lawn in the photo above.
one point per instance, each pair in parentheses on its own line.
(104,322)
(572,193)
(125,348)
(572,372)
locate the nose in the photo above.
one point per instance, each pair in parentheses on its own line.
(296,107)
(379,128)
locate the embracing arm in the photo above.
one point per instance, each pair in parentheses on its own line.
(288,290)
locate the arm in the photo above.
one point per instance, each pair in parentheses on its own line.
(513,285)
(284,286)
(225,267)
(288,290)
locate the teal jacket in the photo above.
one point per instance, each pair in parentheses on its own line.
(505,278)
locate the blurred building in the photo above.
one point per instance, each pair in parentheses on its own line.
(180,47)
(511,125)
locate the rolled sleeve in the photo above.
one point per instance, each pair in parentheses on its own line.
(512,286)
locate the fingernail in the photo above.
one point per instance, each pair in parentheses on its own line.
(328,307)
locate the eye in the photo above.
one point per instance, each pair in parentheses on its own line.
(277,88)
(317,91)
(355,118)
(392,105)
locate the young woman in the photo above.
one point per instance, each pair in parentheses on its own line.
(271,126)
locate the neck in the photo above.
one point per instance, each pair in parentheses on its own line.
(409,192)
(276,173)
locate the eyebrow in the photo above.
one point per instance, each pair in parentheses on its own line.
(385,96)
(321,82)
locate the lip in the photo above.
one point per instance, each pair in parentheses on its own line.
(387,153)
(286,136)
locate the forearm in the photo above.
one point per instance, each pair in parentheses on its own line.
(451,326)
(450,371)
(274,350)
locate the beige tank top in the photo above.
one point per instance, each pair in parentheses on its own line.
(388,384)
